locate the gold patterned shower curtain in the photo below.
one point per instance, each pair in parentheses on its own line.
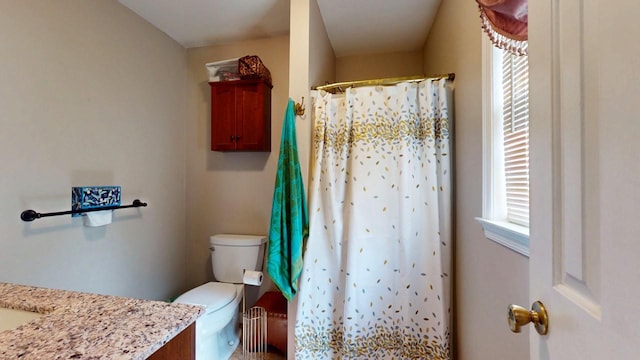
(376,276)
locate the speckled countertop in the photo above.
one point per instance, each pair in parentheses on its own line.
(89,326)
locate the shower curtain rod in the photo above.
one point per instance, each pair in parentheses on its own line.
(387,81)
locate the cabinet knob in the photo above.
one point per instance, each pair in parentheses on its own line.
(237,137)
(232,137)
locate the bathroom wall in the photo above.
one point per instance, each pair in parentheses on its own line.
(488,276)
(229,192)
(90,94)
(375,66)
(312,62)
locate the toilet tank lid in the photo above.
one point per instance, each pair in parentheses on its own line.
(237,240)
(212,295)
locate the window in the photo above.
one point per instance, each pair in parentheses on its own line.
(515,130)
(505,216)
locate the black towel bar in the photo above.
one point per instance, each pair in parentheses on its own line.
(30,215)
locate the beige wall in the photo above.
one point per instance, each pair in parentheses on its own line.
(488,276)
(375,66)
(312,61)
(229,192)
(90,94)
(322,59)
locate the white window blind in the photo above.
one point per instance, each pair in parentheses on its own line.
(515,87)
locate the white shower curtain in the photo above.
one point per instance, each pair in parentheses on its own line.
(376,274)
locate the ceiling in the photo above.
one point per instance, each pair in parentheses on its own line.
(355,27)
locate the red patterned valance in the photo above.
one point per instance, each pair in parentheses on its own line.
(506,23)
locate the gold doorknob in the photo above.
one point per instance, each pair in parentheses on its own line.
(519,316)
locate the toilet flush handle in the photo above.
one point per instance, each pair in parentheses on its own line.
(212,248)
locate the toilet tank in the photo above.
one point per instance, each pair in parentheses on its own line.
(231,254)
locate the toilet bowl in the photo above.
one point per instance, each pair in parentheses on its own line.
(218,331)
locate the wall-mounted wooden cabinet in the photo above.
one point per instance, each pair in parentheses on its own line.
(240,115)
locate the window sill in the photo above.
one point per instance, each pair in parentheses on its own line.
(512,236)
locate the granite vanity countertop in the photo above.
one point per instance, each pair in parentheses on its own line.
(79,325)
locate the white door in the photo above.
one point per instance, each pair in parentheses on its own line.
(584,61)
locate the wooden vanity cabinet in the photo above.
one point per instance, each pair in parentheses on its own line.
(240,115)
(181,347)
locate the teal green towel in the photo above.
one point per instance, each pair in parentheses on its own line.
(289,216)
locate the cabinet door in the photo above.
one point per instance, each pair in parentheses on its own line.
(253,115)
(182,346)
(223,117)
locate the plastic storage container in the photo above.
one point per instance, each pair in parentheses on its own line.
(224,70)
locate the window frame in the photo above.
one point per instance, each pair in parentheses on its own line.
(494,212)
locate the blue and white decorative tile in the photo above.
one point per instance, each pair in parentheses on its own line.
(93,197)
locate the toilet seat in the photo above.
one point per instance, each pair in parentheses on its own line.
(212,295)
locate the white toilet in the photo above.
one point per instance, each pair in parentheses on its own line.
(217,331)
